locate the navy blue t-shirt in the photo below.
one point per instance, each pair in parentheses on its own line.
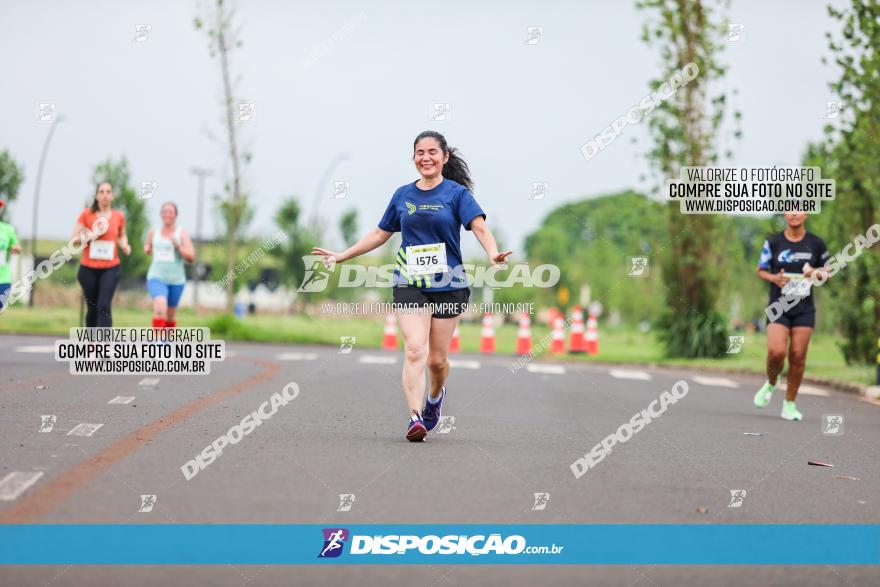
(779,253)
(425,217)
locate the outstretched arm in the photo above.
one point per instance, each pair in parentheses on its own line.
(372,240)
(487,239)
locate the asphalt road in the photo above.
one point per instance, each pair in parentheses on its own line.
(513,435)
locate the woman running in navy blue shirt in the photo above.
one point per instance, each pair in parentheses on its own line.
(430,286)
(788,261)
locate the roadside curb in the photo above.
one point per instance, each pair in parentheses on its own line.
(835,384)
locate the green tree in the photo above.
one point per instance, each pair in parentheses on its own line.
(126,199)
(300,241)
(684,127)
(850,156)
(348,226)
(11,178)
(607,232)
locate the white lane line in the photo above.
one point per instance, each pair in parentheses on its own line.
(122,399)
(84,429)
(810,390)
(36,348)
(16,483)
(377,360)
(149,382)
(626,374)
(550,369)
(462,364)
(714,381)
(297,357)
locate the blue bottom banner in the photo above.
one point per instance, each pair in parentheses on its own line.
(300,544)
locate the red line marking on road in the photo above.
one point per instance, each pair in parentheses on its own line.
(47,497)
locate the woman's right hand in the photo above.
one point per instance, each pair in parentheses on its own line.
(780,279)
(328,255)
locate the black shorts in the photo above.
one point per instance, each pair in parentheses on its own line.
(443,304)
(805,320)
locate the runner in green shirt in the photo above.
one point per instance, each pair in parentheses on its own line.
(8,244)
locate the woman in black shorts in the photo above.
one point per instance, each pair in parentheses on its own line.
(430,285)
(788,261)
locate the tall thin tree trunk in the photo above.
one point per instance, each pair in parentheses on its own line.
(232,227)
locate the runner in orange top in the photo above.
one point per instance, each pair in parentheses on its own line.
(99,269)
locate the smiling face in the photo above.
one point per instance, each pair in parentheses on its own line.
(795,219)
(168,214)
(429,158)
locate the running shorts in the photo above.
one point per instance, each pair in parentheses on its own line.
(4,289)
(159,288)
(805,320)
(443,304)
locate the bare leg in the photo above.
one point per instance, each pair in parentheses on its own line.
(797,359)
(160,308)
(415,327)
(777,341)
(438,352)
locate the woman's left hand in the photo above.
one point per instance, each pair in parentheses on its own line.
(501,258)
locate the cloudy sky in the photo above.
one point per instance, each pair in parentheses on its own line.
(340,89)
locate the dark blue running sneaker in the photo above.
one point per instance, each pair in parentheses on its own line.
(416,431)
(431,413)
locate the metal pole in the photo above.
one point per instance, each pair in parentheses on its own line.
(33,242)
(201,173)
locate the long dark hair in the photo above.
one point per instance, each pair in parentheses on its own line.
(94,206)
(455,169)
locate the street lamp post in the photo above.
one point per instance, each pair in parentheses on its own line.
(201,173)
(33,243)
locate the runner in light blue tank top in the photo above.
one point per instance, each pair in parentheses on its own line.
(170,246)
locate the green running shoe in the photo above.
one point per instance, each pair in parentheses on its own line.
(790,412)
(762,398)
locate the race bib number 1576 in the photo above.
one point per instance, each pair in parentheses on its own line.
(426,259)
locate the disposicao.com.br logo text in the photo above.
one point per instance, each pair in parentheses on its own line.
(334,540)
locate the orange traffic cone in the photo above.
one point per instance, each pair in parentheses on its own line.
(487,335)
(524,335)
(389,341)
(576,342)
(592,340)
(552,313)
(557,336)
(455,343)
